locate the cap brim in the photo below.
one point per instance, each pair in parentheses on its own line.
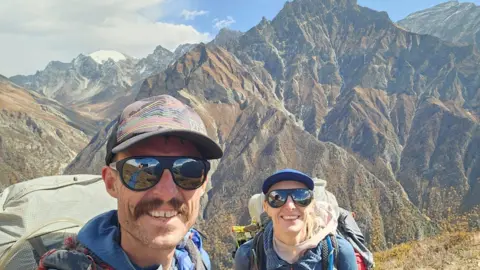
(287,176)
(207,147)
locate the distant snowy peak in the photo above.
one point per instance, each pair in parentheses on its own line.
(102,56)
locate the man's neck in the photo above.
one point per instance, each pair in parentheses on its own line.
(143,255)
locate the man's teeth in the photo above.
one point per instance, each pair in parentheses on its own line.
(290,217)
(165,214)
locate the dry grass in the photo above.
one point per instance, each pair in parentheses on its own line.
(460,250)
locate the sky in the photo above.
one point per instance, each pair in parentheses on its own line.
(35,32)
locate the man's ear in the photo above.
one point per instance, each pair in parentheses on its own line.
(110,178)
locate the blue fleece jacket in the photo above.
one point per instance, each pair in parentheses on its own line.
(101,236)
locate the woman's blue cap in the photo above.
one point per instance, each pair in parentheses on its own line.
(287,175)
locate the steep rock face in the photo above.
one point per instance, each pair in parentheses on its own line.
(361,121)
(36,139)
(438,162)
(450,21)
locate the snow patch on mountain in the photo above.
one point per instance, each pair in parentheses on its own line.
(102,56)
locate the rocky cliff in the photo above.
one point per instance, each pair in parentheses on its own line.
(38,137)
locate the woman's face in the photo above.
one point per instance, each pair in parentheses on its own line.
(289,218)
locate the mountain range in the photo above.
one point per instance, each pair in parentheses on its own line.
(100,84)
(388,116)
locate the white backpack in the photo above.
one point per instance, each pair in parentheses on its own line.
(36,215)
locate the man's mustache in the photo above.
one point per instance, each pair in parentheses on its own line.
(143,207)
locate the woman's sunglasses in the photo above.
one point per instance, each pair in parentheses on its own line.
(301,196)
(142,173)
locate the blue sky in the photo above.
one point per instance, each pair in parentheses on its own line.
(245,14)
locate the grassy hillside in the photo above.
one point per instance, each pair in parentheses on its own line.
(460,250)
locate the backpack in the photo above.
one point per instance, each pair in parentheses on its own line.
(38,214)
(328,245)
(348,228)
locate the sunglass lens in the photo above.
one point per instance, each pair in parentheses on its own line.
(189,173)
(277,198)
(141,173)
(302,197)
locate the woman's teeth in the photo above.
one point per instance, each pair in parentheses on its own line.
(290,217)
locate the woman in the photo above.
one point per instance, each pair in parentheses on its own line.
(299,230)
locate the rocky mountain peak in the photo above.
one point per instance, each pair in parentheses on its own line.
(155,62)
(226,37)
(161,52)
(450,21)
(314,6)
(454,4)
(86,66)
(57,65)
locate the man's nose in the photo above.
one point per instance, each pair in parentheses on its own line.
(166,188)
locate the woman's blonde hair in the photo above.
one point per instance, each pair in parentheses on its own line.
(318,216)
(310,220)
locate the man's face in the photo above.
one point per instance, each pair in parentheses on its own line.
(137,210)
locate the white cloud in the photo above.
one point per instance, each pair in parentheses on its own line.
(33,32)
(219,24)
(191,14)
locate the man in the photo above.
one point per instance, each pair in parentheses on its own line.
(156,167)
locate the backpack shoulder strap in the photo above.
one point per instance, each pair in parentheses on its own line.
(196,256)
(257,253)
(335,251)
(325,253)
(329,249)
(38,247)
